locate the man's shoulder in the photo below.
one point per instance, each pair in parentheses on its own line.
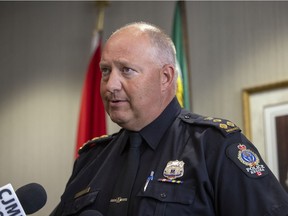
(225,126)
(96,142)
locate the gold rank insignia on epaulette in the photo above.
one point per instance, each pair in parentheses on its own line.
(93,142)
(225,126)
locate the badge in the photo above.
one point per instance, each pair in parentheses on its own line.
(174,169)
(247,160)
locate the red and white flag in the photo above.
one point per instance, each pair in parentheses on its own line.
(92,118)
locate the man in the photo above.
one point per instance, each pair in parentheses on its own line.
(189,164)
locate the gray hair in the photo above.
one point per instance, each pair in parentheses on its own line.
(164,46)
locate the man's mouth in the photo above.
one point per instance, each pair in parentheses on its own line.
(118,101)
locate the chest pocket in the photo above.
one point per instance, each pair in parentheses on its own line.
(72,207)
(166,199)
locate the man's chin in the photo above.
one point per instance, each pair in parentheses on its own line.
(118,119)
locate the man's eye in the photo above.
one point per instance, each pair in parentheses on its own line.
(127,70)
(105,71)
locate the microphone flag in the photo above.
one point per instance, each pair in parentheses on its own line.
(9,202)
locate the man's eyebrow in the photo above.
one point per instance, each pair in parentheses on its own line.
(103,64)
(117,62)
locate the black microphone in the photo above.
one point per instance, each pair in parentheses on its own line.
(91,213)
(26,200)
(32,197)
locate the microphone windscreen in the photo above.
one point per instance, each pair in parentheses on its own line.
(91,213)
(32,197)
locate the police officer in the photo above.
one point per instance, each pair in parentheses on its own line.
(188,164)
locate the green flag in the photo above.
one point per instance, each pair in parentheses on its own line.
(179,38)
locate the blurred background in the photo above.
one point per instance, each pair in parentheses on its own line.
(45,49)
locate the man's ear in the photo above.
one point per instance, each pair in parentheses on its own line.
(167,76)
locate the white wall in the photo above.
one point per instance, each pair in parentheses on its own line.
(44,53)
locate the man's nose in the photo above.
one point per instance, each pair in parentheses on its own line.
(114,81)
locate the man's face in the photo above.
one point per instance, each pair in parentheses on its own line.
(131,80)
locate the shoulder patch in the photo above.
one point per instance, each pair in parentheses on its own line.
(95,141)
(247,160)
(225,126)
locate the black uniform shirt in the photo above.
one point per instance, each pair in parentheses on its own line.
(202,166)
(152,135)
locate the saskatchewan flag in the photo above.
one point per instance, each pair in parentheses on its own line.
(179,37)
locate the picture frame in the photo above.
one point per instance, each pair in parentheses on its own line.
(262,105)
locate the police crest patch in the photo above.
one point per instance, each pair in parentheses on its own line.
(247,160)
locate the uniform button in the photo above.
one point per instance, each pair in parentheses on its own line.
(76,207)
(186,116)
(163,195)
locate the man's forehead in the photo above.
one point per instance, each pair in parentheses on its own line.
(129,34)
(126,43)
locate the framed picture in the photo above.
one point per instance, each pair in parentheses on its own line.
(265,112)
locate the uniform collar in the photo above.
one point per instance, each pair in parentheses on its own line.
(153,132)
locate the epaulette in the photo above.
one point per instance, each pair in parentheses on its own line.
(105,139)
(225,126)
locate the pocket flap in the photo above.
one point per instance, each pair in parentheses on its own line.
(169,192)
(73,206)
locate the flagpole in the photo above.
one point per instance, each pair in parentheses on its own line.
(186,46)
(99,24)
(101,5)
